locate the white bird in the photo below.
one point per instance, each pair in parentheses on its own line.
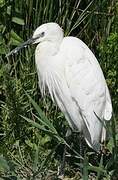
(72,74)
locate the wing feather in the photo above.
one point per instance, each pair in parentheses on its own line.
(88,88)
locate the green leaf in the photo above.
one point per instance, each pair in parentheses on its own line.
(44,120)
(2,3)
(101,167)
(31,145)
(41,127)
(15,39)
(85,168)
(3,47)
(110,144)
(18,21)
(9,10)
(36,159)
(3,164)
(92,168)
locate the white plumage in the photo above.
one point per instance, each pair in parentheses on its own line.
(70,71)
(75,81)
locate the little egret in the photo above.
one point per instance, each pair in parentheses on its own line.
(72,74)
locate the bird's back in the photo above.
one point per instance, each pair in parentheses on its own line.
(82,67)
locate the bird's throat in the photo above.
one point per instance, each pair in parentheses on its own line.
(47,48)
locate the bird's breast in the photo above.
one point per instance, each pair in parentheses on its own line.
(49,69)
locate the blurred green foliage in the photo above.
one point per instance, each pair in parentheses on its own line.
(108,56)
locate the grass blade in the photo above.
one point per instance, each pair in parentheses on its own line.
(44,120)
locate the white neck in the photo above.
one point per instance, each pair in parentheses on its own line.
(50,46)
(47,48)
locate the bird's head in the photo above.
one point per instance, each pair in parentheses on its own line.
(46,32)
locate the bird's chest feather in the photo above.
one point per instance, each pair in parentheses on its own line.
(49,65)
(50,71)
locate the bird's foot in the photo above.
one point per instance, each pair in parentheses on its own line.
(60,173)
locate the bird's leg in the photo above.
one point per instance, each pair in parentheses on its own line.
(61,170)
(81,150)
(62,167)
(81,145)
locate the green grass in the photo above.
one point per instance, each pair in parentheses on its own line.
(32,129)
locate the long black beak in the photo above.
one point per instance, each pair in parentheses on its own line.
(25,44)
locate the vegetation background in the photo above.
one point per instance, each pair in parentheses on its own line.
(32,129)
